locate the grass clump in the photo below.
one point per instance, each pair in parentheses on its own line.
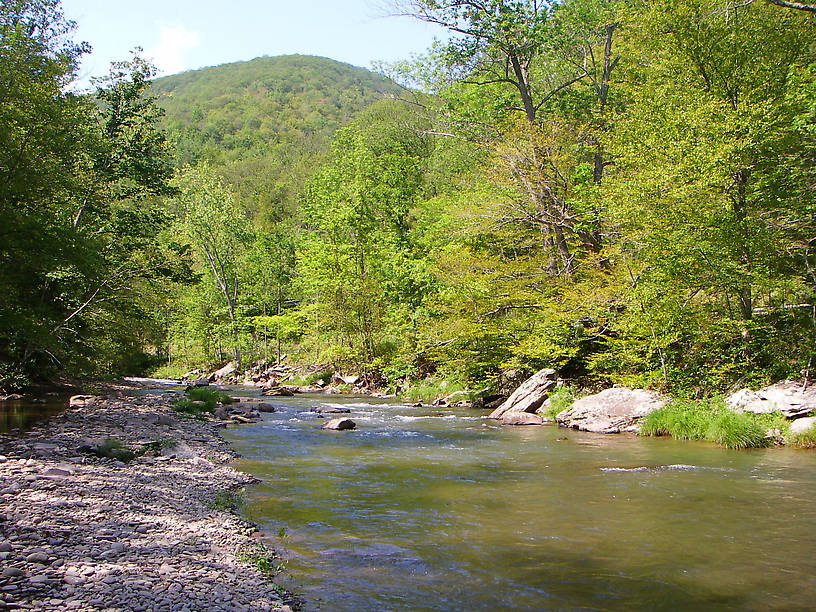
(229,501)
(559,400)
(113,449)
(428,390)
(155,447)
(709,420)
(805,439)
(264,560)
(200,400)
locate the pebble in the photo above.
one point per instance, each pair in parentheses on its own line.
(93,534)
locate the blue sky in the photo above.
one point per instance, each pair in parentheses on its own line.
(187,34)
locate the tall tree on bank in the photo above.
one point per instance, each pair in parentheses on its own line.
(508,66)
(63,272)
(219,231)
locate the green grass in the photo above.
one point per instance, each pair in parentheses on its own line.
(229,501)
(559,400)
(428,390)
(709,420)
(113,449)
(264,560)
(806,439)
(155,447)
(200,400)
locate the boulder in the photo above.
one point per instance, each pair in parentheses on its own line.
(330,410)
(488,402)
(802,425)
(81,401)
(223,372)
(278,391)
(521,418)
(200,382)
(264,407)
(788,397)
(529,396)
(346,380)
(339,424)
(612,410)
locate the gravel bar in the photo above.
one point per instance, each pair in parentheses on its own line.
(80,532)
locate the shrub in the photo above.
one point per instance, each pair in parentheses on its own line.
(264,560)
(155,447)
(559,400)
(113,449)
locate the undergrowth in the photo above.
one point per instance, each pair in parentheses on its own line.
(428,390)
(230,501)
(200,400)
(559,400)
(264,560)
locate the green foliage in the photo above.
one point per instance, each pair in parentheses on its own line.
(710,420)
(558,401)
(200,400)
(112,448)
(428,390)
(155,447)
(805,439)
(266,561)
(227,501)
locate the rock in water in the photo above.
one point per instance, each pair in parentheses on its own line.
(529,396)
(81,401)
(330,410)
(339,424)
(787,397)
(521,418)
(612,410)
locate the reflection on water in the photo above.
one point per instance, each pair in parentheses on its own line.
(23,414)
(418,510)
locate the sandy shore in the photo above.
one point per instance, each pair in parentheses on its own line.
(79,532)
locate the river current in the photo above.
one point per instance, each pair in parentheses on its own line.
(440,509)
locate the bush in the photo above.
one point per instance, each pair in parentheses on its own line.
(113,449)
(428,390)
(559,400)
(705,420)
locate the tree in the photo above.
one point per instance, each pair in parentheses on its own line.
(219,231)
(509,58)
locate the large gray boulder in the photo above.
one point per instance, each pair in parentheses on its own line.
(800,426)
(611,411)
(788,397)
(340,424)
(529,396)
(521,418)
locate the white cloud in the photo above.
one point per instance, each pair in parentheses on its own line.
(174,42)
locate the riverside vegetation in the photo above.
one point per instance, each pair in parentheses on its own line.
(621,191)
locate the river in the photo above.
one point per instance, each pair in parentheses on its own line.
(439,509)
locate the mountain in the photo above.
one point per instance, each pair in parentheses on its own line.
(265,123)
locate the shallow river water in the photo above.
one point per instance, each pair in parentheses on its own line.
(440,509)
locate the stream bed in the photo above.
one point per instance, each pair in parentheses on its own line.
(440,509)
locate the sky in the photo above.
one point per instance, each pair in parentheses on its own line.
(181,35)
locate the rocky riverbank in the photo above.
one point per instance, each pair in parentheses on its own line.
(79,531)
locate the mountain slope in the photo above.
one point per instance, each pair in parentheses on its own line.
(266,123)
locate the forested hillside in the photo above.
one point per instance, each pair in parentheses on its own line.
(267,122)
(621,191)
